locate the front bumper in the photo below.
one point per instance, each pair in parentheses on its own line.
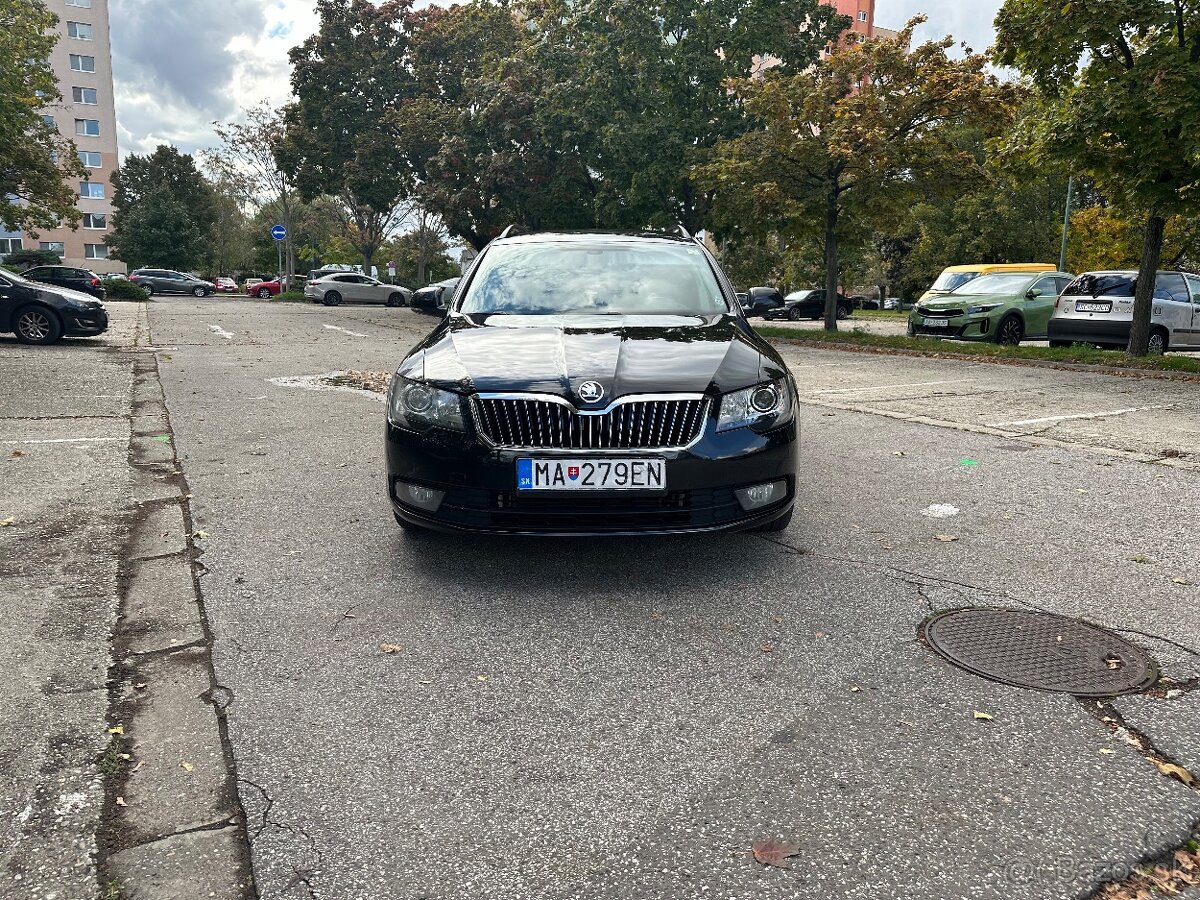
(481,495)
(960,328)
(1091,331)
(84,322)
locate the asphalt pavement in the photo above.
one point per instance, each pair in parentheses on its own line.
(625,718)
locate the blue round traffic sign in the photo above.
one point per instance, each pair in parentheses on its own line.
(279,233)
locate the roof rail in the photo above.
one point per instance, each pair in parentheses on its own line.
(509,230)
(683,232)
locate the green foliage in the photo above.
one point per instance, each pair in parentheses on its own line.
(28,258)
(164,211)
(851,142)
(1119,85)
(289,297)
(34,158)
(123,289)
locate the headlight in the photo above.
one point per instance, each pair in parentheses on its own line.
(769,403)
(974,310)
(414,404)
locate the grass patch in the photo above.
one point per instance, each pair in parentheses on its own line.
(289,297)
(111,764)
(111,891)
(1077,355)
(879,314)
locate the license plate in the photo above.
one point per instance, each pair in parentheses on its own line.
(1093,307)
(591,474)
(936,323)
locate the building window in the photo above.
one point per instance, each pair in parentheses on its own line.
(49,120)
(53,247)
(81,4)
(86,96)
(82,63)
(81,31)
(93,190)
(95,221)
(9,245)
(87,127)
(862,15)
(95,251)
(91,159)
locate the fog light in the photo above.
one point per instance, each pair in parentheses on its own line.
(420,497)
(761,495)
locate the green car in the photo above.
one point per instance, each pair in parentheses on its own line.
(1007,308)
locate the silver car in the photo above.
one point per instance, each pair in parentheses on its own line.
(1097,308)
(352,287)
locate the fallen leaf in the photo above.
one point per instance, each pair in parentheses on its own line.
(390,648)
(766,648)
(121,801)
(820,634)
(5,523)
(778,620)
(141,685)
(856,690)
(945,538)
(775,853)
(1179,772)
(1139,559)
(120,729)
(481,678)
(17,454)
(1178,580)
(141,762)
(983,717)
(1081,490)
(186,766)
(1107,751)
(124,756)
(899,453)
(200,534)
(885,545)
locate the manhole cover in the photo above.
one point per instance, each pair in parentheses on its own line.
(1041,651)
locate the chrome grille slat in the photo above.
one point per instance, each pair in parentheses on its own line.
(642,423)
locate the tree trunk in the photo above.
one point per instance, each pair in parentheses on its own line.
(1143,301)
(831,260)
(366,263)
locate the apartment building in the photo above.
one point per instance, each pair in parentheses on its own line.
(862,17)
(82,61)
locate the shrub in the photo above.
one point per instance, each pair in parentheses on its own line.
(28,258)
(122,289)
(289,297)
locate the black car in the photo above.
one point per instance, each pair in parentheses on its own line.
(432,298)
(808,305)
(761,300)
(68,277)
(585,384)
(168,281)
(40,314)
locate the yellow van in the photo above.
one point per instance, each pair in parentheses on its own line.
(954,277)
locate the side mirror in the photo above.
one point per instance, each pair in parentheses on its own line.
(1033,294)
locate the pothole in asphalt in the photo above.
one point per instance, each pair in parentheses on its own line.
(1040,651)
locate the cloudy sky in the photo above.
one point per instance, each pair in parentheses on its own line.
(180,66)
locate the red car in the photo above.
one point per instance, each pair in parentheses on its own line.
(265,289)
(225,285)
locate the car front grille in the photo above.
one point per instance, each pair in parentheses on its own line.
(643,424)
(940,313)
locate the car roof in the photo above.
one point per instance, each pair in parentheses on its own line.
(606,237)
(997,268)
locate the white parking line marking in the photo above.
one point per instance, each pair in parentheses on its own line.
(217,329)
(61,440)
(1097,415)
(343,330)
(885,387)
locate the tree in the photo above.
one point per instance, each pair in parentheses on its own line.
(34,158)
(247,161)
(347,78)
(849,141)
(163,210)
(1120,91)
(28,258)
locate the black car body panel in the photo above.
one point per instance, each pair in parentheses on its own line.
(82,280)
(635,358)
(78,314)
(1088,331)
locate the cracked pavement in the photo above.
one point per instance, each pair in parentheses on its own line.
(623,718)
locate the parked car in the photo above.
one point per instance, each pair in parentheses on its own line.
(1097,308)
(350,286)
(434,297)
(1005,308)
(318,274)
(39,313)
(592,384)
(808,305)
(892,303)
(761,299)
(265,290)
(168,281)
(954,277)
(225,285)
(858,301)
(81,280)
(250,283)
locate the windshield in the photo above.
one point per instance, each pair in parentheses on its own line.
(948,281)
(1016,283)
(798,295)
(594,279)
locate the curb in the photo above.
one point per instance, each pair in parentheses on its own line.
(173,827)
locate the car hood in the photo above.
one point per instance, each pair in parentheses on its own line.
(69,294)
(957,301)
(625,354)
